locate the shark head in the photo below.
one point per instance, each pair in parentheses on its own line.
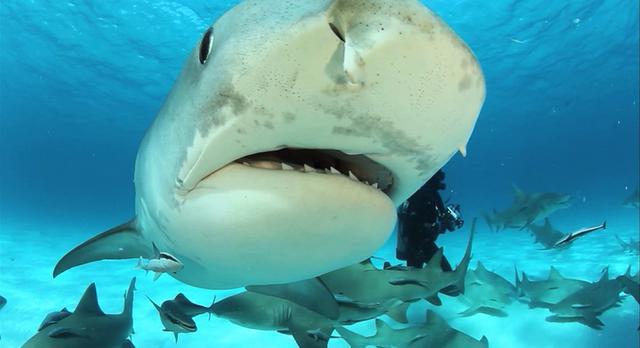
(294,131)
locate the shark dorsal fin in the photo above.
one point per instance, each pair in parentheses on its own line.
(433,318)
(525,280)
(605,275)
(518,194)
(554,274)
(383,329)
(436,259)
(181,298)
(480,267)
(89,302)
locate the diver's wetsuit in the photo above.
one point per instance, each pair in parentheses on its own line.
(421,219)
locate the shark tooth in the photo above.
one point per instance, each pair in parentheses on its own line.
(375,185)
(286,166)
(353,177)
(334,171)
(309,169)
(246,164)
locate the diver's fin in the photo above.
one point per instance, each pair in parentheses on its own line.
(89,302)
(121,242)
(312,294)
(399,312)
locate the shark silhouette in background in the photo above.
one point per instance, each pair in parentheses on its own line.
(526,209)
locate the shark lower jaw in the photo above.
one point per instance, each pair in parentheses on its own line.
(279,225)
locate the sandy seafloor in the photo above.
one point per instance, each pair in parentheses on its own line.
(28,256)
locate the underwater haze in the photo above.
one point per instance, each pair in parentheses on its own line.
(81,81)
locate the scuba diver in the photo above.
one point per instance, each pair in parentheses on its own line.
(421,219)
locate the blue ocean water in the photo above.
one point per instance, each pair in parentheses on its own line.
(80,83)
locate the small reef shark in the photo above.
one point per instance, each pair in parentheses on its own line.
(487,292)
(87,326)
(633,200)
(571,237)
(364,283)
(435,332)
(632,245)
(586,304)
(546,234)
(549,292)
(526,209)
(272,173)
(311,324)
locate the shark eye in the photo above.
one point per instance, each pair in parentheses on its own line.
(206,45)
(336,31)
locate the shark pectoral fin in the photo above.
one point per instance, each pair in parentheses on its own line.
(65,332)
(128,344)
(353,64)
(311,294)
(156,275)
(309,338)
(353,339)
(469,312)
(121,242)
(399,312)
(434,300)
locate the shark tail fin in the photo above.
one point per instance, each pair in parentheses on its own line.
(120,242)
(211,308)
(461,270)
(353,339)
(604,225)
(490,220)
(140,264)
(128,299)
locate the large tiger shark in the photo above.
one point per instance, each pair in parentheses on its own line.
(292,134)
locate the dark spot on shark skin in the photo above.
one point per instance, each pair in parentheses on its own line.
(268,125)
(391,138)
(288,117)
(227,96)
(465,83)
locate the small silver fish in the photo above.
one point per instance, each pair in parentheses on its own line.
(163,262)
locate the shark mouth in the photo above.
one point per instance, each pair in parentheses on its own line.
(182,324)
(359,168)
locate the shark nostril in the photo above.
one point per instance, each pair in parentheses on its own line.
(336,31)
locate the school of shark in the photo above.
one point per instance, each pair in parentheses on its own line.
(293,117)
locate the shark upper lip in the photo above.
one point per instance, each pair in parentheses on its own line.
(359,167)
